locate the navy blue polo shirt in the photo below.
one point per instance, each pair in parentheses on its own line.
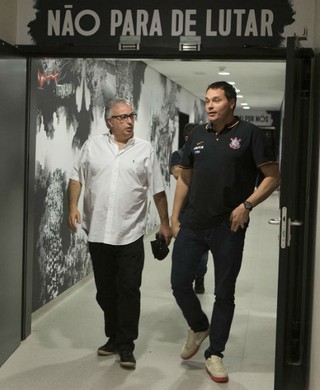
(176,157)
(224,170)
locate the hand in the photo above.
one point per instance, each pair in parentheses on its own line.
(239,217)
(74,218)
(165,232)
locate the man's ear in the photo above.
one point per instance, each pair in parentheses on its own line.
(108,123)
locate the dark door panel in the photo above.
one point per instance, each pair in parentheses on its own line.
(296,246)
(12,179)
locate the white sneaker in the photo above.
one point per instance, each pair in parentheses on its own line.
(193,342)
(215,369)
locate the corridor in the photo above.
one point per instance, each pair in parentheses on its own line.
(60,354)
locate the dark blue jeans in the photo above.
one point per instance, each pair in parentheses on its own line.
(117,273)
(227,249)
(202,267)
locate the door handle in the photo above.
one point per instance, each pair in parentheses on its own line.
(275,221)
(295,223)
(285,227)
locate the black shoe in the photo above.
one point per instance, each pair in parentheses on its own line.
(108,349)
(199,285)
(127,359)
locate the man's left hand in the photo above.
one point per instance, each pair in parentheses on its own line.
(239,217)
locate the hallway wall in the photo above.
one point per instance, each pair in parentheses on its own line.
(8,21)
(70,95)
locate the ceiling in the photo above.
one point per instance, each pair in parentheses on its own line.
(261,83)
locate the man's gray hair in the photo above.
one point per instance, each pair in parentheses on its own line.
(112,103)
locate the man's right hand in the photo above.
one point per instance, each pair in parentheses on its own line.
(74,218)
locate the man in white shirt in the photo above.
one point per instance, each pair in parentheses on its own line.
(117,170)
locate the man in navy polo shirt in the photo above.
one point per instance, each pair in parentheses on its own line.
(220,164)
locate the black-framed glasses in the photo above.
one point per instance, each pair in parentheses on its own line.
(124,117)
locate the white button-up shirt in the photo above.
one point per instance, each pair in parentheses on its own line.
(116,184)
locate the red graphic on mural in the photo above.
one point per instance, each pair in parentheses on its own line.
(44,77)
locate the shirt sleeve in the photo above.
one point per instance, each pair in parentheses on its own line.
(77,172)
(156,182)
(175,159)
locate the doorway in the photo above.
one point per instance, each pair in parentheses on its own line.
(275,211)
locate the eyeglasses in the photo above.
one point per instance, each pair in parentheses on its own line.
(124,117)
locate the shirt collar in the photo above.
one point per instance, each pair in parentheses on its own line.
(129,143)
(230,125)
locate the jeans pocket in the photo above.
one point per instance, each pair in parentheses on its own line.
(226,223)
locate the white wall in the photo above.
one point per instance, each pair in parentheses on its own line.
(8,21)
(317,25)
(26,12)
(303,24)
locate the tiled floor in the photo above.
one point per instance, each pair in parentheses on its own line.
(60,354)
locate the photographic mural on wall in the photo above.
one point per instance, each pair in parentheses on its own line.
(70,96)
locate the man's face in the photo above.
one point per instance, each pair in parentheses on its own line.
(218,107)
(121,128)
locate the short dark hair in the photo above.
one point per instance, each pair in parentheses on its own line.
(188,129)
(229,90)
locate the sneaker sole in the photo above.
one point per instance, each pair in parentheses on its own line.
(190,356)
(104,353)
(128,365)
(223,379)
(196,351)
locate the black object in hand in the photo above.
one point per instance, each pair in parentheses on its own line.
(159,247)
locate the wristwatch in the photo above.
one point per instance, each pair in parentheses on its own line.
(247,205)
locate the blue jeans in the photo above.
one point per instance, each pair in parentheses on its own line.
(226,247)
(202,267)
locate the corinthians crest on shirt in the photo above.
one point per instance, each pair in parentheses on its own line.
(235,143)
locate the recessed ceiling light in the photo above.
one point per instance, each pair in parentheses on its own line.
(240,96)
(246,108)
(244,104)
(222,71)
